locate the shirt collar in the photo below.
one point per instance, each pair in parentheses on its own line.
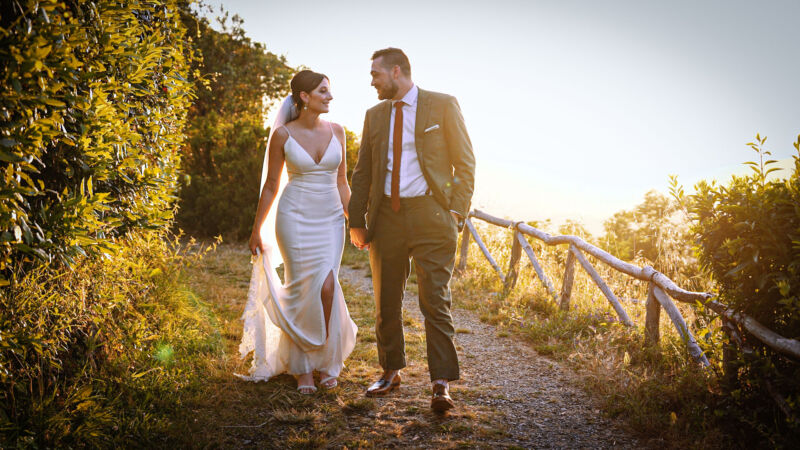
(410,98)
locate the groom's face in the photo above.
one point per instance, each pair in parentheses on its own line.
(383,80)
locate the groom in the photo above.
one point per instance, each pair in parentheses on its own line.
(413,180)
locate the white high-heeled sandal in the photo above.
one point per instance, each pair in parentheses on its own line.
(324,382)
(307,386)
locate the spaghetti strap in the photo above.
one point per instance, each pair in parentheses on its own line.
(287,130)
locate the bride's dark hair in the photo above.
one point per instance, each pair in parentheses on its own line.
(304,81)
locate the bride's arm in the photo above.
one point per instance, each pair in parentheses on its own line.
(270,188)
(341,179)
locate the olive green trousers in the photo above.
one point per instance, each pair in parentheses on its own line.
(424,231)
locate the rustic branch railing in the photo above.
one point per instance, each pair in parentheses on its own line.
(661,290)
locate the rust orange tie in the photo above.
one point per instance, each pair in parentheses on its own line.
(397,150)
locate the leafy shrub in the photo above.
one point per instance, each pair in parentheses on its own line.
(93,99)
(748,239)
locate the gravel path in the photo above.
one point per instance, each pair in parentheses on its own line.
(536,400)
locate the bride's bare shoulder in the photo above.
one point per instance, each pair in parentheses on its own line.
(281,134)
(278,139)
(338,129)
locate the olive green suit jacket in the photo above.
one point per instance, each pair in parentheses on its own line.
(444,152)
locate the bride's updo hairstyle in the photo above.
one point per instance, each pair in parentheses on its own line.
(304,81)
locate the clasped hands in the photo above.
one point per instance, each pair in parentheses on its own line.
(358,237)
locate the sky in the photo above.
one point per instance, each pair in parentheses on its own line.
(575,109)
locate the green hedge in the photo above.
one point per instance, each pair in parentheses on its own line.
(98,341)
(93,97)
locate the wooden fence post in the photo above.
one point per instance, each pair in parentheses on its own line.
(537,267)
(513,273)
(598,280)
(680,325)
(485,250)
(652,318)
(462,256)
(569,275)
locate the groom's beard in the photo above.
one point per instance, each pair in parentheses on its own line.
(388,93)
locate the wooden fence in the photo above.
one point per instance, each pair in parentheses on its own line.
(661,290)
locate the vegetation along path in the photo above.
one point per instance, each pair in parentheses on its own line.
(509,396)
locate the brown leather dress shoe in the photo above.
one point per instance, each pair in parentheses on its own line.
(383,386)
(441,401)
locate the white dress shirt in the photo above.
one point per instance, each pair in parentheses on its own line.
(412,182)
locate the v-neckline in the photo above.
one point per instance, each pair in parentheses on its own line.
(324,152)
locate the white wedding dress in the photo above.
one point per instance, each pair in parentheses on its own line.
(284,324)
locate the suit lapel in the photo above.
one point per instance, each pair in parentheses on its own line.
(382,147)
(423,111)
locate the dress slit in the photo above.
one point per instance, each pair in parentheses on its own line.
(331,275)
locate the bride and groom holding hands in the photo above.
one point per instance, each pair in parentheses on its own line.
(411,190)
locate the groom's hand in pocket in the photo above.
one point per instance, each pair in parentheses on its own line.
(358,237)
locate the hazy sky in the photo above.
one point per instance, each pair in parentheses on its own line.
(575,108)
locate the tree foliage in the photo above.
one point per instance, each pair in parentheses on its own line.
(654,233)
(226,133)
(351,150)
(93,99)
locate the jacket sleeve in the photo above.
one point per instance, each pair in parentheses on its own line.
(361,180)
(461,157)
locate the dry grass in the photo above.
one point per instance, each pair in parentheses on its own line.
(661,393)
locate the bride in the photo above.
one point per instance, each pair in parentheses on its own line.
(302,324)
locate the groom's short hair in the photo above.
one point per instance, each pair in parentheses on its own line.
(393,57)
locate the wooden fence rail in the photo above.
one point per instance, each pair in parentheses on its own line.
(661,290)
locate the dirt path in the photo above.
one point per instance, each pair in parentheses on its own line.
(537,404)
(509,397)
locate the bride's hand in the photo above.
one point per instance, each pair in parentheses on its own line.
(255,243)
